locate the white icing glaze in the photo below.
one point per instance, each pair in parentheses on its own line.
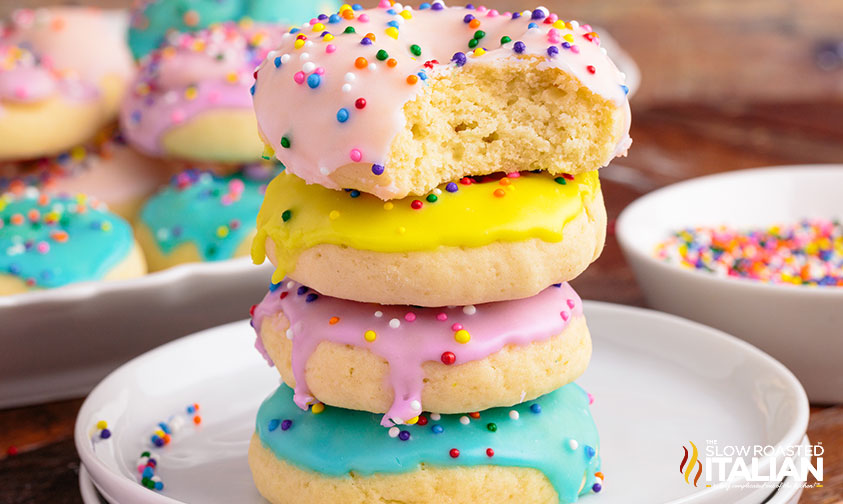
(289,107)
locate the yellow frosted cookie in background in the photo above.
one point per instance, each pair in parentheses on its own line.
(474,241)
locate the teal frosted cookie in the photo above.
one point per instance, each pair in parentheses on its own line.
(200,216)
(152,19)
(51,240)
(546,450)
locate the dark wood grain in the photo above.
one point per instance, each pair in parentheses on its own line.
(671,143)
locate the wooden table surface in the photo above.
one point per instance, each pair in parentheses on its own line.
(39,463)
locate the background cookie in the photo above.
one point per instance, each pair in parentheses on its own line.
(191,98)
(49,241)
(107,169)
(199,217)
(152,20)
(53,93)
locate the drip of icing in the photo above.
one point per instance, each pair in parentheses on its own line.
(215,213)
(407,337)
(153,19)
(54,240)
(558,438)
(369,55)
(297,216)
(191,74)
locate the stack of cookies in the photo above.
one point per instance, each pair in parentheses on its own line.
(441,189)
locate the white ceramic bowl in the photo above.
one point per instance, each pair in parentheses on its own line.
(59,343)
(800,326)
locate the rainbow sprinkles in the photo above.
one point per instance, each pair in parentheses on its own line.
(809,252)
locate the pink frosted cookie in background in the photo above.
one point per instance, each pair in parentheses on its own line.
(191,99)
(59,85)
(116,174)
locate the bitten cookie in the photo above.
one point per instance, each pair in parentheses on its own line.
(51,240)
(543,451)
(199,217)
(409,99)
(58,84)
(152,20)
(191,97)
(475,241)
(401,360)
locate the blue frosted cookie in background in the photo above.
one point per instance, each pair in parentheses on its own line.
(541,451)
(153,19)
(51,240)
(200,216)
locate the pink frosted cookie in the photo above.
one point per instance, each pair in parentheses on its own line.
(59,83)
(401,360)
(408,99)
(191,97)
(108,169)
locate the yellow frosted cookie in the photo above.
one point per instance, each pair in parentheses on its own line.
(474,241)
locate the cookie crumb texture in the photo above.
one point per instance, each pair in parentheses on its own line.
(486,118)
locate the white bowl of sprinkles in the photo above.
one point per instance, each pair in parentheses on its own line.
(757,253)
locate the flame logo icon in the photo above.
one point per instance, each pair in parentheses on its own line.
(686,467)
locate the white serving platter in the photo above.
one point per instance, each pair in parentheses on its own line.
(659,382)
(59,343)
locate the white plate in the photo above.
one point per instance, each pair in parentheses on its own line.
(801,326)
(59,343)
(93,495)
(86,487)
(786,495)
(659,381)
